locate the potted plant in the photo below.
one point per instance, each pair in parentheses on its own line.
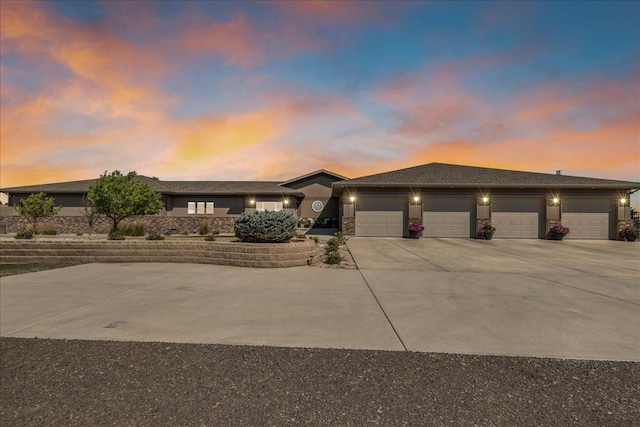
(486,231)
(415,230)
(628,233)
(557,232)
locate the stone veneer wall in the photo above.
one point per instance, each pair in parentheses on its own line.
(480,222)
(416,221)
(348,225)
(623,223)
(552,223)
(156,223)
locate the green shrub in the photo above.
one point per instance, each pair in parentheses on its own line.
(333,258)
(136,228)
(25,233)
(210,238)
(300,236)
(215,232)
(48,232)
(342,239)
(114,235)
(185,233)
(316,239)
(265,227)
(204,227)
(154,236)
(333,245)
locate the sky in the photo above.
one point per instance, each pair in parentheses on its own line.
(273,90)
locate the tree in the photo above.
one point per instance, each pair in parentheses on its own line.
(37,206)
(118,196)
(90,213)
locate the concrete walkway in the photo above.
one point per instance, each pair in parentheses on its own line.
(524,298)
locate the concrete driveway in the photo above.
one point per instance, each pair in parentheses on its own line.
(525,298)
(574,299)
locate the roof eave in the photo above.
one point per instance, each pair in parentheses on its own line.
(622,185)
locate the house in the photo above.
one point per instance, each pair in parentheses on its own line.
(452,200)
(449,200)
(188,203)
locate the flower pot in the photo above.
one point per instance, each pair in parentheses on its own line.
(414,235)
(630,237)
(556,237)
(488,236)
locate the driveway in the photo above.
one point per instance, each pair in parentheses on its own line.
(524,298)
(574,299)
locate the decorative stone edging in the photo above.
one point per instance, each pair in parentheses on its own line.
(263,255)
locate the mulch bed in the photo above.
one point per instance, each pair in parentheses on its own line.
(59,382)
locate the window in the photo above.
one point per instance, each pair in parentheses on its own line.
(201,208)
(269,206)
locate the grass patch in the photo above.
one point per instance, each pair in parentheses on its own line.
(12,269)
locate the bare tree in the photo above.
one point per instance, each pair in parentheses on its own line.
(93,218)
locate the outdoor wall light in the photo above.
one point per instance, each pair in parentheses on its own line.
(285,201)
(352,199)
(485,200)
(252,202)
(623,201)
(556,200)
(416,199)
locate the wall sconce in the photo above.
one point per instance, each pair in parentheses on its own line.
(252,202)
(623,201)
(485,200)
(415,199)
(555,201)
(352,199)
(285,202)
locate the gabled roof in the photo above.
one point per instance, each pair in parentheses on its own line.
(78,186)
(170,187)
(318,172)
(229,187)
(447,175)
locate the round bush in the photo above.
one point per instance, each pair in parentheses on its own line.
(265,227)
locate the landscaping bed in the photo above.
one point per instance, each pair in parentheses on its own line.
(59,382)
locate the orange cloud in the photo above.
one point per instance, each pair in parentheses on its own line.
(206,137)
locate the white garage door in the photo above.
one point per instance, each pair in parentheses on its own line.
(593,226)
(515,225)
(379,224)
(446,224)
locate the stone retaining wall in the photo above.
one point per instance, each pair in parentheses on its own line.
(157,223)
(265,255)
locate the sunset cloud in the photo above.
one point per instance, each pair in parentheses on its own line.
(271,90)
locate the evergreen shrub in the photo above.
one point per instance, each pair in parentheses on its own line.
(265,227)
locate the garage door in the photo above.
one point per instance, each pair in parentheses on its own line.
(515,225)
(586,225)
(446,224)
(379,224)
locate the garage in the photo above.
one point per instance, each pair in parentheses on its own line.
(379,223)
(594,226)
(515,225)
(446,224)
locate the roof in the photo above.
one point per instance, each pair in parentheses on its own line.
(318,172)
(170,187)
(448,175)
(229,187)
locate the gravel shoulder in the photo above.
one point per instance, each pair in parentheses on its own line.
(60,382)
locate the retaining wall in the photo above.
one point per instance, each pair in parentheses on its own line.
(264,255)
